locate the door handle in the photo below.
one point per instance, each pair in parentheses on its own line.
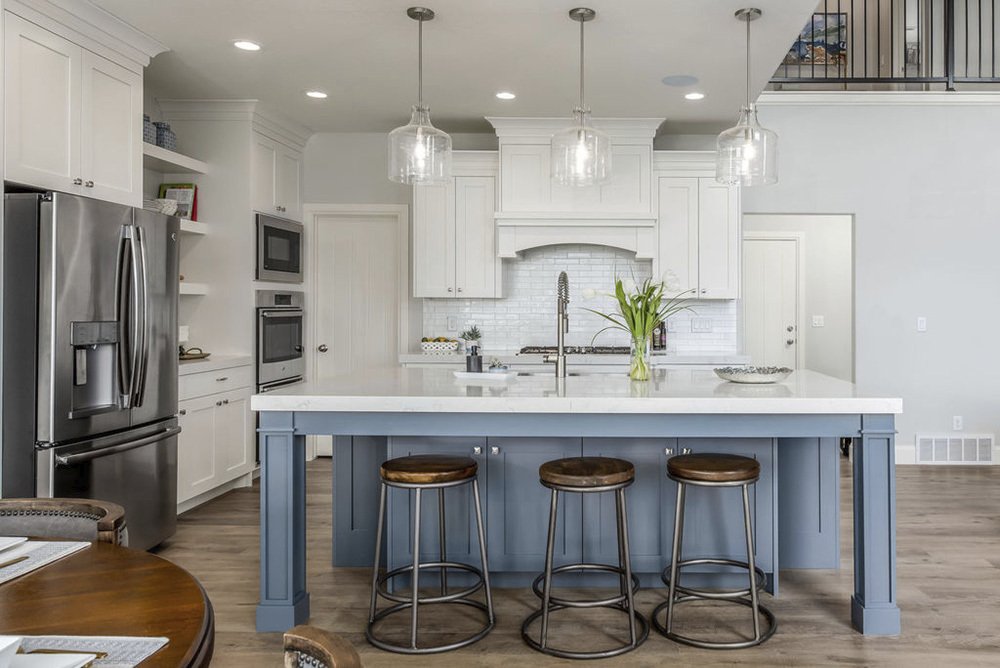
(70,460)
(322,348)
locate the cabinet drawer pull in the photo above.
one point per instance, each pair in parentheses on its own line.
(89,184)
(77,182)
(221,378)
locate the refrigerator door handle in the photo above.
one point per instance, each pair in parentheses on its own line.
(124,315)
(71,460)
(142,325)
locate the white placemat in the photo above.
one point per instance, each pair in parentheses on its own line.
(122,651)
(38,553)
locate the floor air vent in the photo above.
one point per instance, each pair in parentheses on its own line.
(966,449)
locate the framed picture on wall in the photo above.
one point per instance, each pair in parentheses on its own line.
(186,195)
(823,41)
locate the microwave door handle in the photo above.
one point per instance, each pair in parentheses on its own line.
(142,320)
(123,296)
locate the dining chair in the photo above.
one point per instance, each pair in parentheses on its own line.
(72,519)
(310,647)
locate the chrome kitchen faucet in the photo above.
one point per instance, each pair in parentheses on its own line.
(562,325)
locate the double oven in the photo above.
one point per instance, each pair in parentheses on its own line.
(280,352)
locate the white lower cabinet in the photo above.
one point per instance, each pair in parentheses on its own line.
(215,446)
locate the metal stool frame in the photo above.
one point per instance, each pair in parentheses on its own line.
(380,582)
(756,575)
(628,582)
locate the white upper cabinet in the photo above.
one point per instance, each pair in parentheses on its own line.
(454,234)
(699,232)
(276,177)
(73,118)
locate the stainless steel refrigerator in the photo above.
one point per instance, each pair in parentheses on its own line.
(89,357)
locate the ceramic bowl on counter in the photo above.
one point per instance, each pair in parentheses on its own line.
(753,375)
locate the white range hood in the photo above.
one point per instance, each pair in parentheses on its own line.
(533,211)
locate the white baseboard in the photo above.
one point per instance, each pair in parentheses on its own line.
(192,503)
(906,453)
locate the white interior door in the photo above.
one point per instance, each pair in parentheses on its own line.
(770,301)
(357,294)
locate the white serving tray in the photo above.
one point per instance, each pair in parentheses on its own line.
(486,377)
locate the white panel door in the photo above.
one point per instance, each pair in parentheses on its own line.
(770,301)
(718,241)
(264,159)
(356,293)
(110,151)
(42,106)
(233,434)
(677,225)
(525,180)
(434,240)
(197,461)
(288,165)
(475,237)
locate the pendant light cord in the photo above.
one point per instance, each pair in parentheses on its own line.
(748,62)
(420,63)
(581,66)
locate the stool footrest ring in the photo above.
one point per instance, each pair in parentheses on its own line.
(536,587)
(772,625)
(383,580)
(760,579)
(642,633)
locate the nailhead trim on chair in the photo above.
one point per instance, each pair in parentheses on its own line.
(50,513)
(306,661)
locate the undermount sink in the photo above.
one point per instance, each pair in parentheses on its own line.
(547,373)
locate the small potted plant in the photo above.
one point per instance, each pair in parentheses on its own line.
(472,337)
(640,309)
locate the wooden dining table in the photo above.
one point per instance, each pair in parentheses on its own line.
(106,590)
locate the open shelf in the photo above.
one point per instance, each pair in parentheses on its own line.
(189,288)
(193,227)
(170,162)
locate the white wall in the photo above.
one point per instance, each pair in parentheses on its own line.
(921,179)
(827,281)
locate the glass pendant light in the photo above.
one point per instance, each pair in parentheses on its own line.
(747,154)
(419,153)
(581,154)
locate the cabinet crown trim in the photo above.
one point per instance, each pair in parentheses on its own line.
(269,123)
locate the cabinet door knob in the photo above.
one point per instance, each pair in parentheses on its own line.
(789,342)
(77,182)
(704,290)
(225,401)
(477,450)
(685,451)
(182,411)
(460,289)
(322,348)
(221,378)
(495,450)
(449,289)
(668,451)
(218,403)
(89,184)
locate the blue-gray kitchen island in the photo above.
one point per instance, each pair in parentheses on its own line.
(511,427)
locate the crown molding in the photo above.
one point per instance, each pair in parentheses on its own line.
(277,127)
(90,26)
(878,98)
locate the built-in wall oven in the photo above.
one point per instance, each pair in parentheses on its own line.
(279,249)
(280,359)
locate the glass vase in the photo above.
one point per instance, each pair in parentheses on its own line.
(639,362)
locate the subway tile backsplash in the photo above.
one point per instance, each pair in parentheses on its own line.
(527,314)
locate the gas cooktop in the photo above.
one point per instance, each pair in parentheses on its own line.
(575,350)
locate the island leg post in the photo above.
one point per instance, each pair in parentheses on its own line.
(284,601)
(873,606)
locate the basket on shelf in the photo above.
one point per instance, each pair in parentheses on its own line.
(165,137)
(439,347)
(148,130)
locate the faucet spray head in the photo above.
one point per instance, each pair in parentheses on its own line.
(562,289)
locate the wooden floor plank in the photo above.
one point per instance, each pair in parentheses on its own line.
(949,588)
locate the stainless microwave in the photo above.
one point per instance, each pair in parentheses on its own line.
(279,249)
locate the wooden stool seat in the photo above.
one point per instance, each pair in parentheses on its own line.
(717,468)
(586,472)
(428,469)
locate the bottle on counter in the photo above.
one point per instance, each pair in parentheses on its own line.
(474,361)
(660,336)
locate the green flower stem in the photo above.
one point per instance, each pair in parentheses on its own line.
(639,366)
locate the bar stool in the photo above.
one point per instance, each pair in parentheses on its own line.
(585,475)
(713,470)
(419,473)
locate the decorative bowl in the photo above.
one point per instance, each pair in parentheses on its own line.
(756,375)
(439,347)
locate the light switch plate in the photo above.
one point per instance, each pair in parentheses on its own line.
(921,324)
(701,325)
(671,325)
(452,323)
(818,321)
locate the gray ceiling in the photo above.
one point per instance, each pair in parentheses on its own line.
(363,53)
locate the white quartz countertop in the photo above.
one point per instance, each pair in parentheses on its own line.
(578,360)
(677,391)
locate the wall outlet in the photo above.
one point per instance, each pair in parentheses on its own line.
(921,324)
(957,423)
(701,325)
(818,321)
(452,323)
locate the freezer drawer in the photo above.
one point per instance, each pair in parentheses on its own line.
(136,469)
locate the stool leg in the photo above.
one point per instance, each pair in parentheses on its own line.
(623,536)
(416,567)
(675,553)
(621,542)
(751,562)
(442,540)
(378,552)
(482,551)
(549,549)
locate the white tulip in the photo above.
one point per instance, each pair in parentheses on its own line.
(670,281)
(629,286)
(589,293)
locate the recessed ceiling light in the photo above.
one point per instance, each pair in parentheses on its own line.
(506,95)
(246,45)
(694,95)
(318,94)
(679,80)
